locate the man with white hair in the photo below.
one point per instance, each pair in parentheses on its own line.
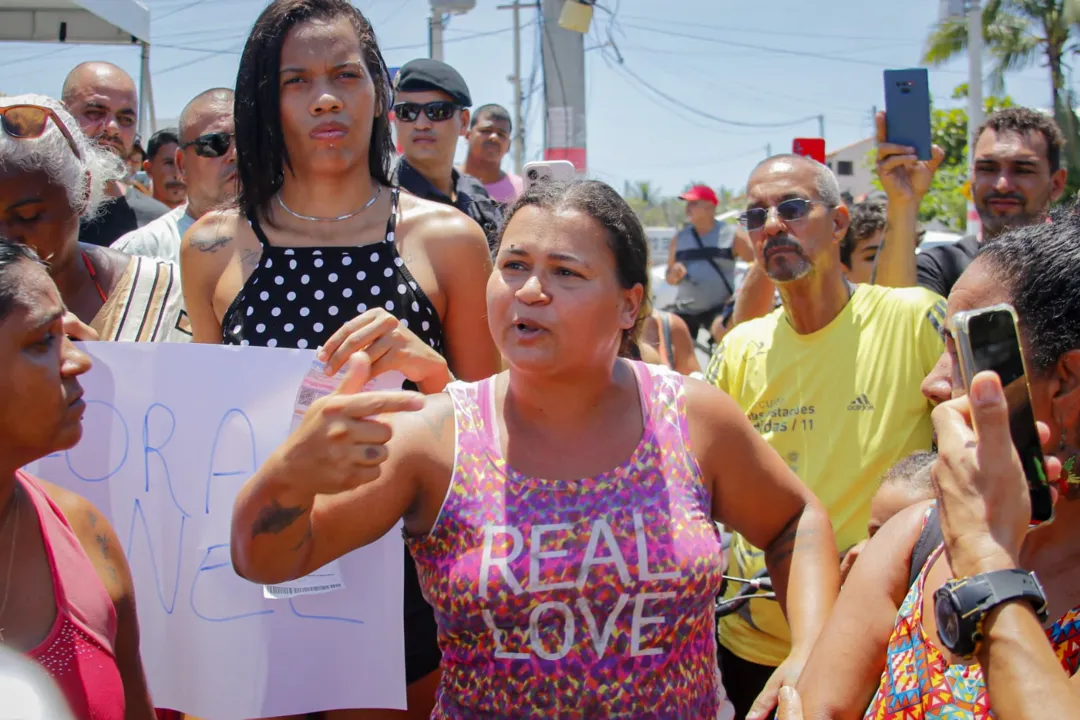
(831,380)
(104,101)
(206,159)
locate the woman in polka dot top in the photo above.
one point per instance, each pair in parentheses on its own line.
(323,251)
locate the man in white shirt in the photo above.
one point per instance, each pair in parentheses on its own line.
(206,158)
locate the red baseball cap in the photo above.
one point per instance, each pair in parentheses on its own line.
(700,192)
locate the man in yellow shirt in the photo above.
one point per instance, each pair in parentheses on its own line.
(831,381)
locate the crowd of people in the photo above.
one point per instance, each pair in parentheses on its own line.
(556,454)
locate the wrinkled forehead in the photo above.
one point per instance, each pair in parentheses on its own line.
(780,180)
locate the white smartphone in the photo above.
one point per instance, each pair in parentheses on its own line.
(544,170)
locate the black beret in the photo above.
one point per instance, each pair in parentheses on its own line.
(426,74)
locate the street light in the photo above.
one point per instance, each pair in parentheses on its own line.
(440,8)
(577,15)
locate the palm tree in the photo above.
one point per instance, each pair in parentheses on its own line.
(1018,34)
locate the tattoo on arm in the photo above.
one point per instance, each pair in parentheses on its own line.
(304,540)
(274,519)
(783,547)
(209,244)
(104,544)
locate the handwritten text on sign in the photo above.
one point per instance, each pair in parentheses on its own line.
(170,434)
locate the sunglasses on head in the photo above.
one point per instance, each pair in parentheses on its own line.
(28,122)
(211,145)
(437,111)
(788,211)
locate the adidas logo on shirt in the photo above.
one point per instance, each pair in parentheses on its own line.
(861,403)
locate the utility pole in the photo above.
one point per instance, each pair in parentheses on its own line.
(821,126)
(516,81)
(975,96)
(435,35)
(768,150)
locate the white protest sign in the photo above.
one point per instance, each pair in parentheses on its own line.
(170,434)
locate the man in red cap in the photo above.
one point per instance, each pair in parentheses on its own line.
(701,261)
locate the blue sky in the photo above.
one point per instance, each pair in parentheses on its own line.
(770,61)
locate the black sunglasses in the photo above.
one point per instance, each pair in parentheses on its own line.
(788,211)
(437,111)
(211,145)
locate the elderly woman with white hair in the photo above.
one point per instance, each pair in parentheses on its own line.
(51,177)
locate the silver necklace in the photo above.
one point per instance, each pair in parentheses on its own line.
(339,218)
(11,559)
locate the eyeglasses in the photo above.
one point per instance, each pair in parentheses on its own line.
(789,210)
(28,122)
(437,111)
(211,145)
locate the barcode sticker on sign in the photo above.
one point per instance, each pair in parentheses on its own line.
(324,580)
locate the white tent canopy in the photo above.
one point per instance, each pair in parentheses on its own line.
(112,22)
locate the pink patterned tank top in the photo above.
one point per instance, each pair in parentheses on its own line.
(919,684)
(590,598)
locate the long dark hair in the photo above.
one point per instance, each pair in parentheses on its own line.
(626,236)
(261,157)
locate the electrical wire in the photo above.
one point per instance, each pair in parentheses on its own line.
(769,31)
(715,118)
(180,9)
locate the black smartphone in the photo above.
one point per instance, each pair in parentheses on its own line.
(907,110)
(987,339)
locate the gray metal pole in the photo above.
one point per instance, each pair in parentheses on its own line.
(519,123)
(975,95)
(821,126)
(435,35)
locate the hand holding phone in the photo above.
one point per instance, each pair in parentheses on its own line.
(987,339)
(545,170)
(906,157)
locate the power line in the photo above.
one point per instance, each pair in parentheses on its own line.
(710,116)
(770,31)
(394,13)
(180,9)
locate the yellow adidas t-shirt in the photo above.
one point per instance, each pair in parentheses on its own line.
(841,406)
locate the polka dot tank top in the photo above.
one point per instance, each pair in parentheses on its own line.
(298,297)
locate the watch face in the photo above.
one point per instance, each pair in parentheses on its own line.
(948,621)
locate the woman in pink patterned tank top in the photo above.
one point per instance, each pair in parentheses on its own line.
(66,597)
(561,514)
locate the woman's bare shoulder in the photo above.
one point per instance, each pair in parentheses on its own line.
(214,230)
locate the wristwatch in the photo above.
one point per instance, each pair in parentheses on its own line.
(960,606)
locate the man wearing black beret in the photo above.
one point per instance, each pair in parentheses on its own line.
(431,111)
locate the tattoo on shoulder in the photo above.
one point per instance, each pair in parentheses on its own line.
(250,258)
(104,543)
(274,518)
(209,244)
(437,423)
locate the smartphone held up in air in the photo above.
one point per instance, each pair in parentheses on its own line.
(545,170)
(987,339)
(907,110)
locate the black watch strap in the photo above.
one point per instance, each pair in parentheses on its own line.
(972,598)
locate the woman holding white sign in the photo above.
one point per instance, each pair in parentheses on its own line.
(324,252)
(562,512)
(66,596)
